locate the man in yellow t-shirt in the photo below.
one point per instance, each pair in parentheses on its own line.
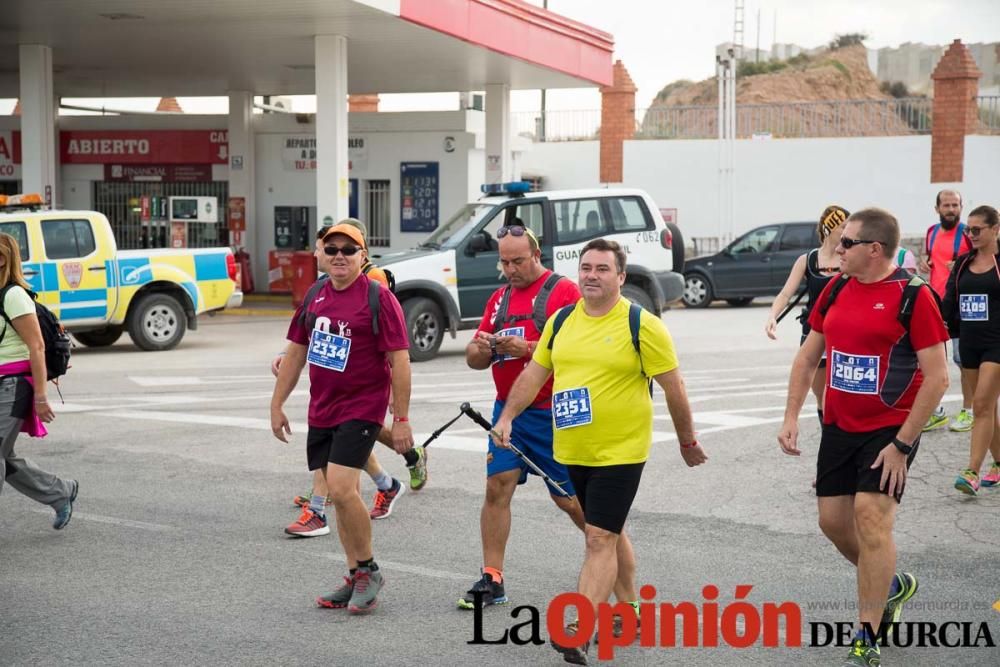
(602,410)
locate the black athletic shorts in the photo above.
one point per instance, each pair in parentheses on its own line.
(843,467)
(974,356)
(348,444)
(606,493)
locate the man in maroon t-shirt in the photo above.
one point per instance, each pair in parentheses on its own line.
(352,367)
(882,384)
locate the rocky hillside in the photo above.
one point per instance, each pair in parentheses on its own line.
(840,74)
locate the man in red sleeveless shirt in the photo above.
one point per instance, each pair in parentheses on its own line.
(944,242)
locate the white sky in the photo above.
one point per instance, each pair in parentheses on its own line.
(661,41)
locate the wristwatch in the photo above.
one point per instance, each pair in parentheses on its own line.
(902,446)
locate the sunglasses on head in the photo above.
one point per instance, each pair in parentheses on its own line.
(850,243)
(513,230)
(346,251)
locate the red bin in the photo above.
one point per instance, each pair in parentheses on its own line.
(304,274)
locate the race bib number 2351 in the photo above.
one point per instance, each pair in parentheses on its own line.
(571,408)
(854,373)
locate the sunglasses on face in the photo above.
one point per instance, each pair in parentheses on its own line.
(850,243)
(346,251)
(974,232)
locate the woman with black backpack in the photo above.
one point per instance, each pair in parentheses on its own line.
(23,401)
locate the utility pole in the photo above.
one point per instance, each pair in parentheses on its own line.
(541,121)
(757,59)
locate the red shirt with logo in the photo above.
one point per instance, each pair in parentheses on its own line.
(943,254)
(349,375)
(872,374)
(522,304)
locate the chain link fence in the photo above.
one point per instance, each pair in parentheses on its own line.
(837,118)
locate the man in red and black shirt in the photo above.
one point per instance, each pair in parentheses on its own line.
(883,381)
(507,336)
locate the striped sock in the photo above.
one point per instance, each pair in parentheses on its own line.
(317,505)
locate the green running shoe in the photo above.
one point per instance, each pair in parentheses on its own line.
(936,420)
(962,422)
(893,611)
(418,472)
(863,654)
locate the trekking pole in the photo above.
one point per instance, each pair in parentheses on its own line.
(441,430)
(791,304)
(475,416)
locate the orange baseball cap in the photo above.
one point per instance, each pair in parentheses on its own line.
(349,231)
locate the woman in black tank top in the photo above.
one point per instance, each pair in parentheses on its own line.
(817,267)
(971,308)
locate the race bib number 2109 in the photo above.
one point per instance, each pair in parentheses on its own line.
(854,373)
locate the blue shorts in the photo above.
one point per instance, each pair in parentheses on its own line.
(532,434)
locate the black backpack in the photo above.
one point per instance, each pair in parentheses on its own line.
(541,304)
(906,304)
(634,315)
(307,320)
(57,342)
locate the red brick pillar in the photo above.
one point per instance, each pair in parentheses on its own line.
(617,122)
(169,104)
(956,82)
(362,103)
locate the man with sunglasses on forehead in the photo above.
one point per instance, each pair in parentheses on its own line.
(507,335)
(883,380)
(353,364)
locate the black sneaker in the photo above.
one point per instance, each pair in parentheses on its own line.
(576,655)
(492,593)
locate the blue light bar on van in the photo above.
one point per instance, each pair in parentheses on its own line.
(512,188)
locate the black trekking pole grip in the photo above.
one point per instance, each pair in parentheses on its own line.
(476,416)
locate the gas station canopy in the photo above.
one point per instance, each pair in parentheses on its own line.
(150,48)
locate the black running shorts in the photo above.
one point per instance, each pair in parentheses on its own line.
(843,467)
(974,356)
(606,493)
(348,444)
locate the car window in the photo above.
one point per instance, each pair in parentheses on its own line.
(20,233)
(67,238)
(799,237)
(578,220)
(628,214)
(758,240)
(529,214)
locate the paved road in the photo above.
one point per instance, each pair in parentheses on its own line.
(176,554)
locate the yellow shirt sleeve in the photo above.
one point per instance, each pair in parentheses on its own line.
(656,346)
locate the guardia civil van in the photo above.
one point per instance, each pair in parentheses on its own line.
(445,282)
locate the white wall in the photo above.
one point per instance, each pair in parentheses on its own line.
(782,179)
(564,164)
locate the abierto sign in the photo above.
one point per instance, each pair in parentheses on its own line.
(144,147)
(10,152)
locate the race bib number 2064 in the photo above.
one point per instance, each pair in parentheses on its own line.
(854,373)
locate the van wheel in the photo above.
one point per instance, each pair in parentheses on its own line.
(678,248)
(425,327)
(157,322)
(697,291)
(100,337)
(638,296)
